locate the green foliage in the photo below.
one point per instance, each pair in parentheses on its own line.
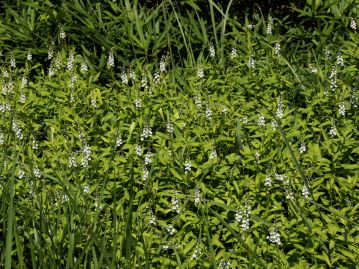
(209,142)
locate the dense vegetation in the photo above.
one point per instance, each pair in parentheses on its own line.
(179,134)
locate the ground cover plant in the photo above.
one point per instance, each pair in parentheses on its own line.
(226,141)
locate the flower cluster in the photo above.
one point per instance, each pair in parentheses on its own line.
(187,166)
(200,72)
(111,60)
(268,181)
(119,141)
(303,148)
(176,203)
(234,53)
(261,121)
(242,217)
(269,26)
(274,237)
(146,132)
(197,196)
(279,113)
(72,160)
(251,62)
(212,51)
(277,49)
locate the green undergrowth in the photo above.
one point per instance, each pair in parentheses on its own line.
(237,156)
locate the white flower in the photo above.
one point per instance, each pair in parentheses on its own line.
(171,230)
(289,193)
(7,87)
(333,72)
(341,109)
(138,150)
(5,73)
(29,56)
(250,26)
(2,139)
(213,154)
(111,60)
(146,132)
(225,265)
(353,24)
(35,144)
(327,52)
(187,166)
(245,220)
(212,51)
(23,82)
(152,218)
(175,204)
(333,85)
(268,181)
(132,74)
(279,113)
(71,61)
(145,174)
(157,78)
(169,128)
(148,158)
(238,216)
(124,77)
(93,102)
(261,121)
(119,141)
(16,128)
(274,237)
(333,131)
(12,61)
(277,49)
(244,120)
(305,192)
(86,153)
(354,101)
(21,174)
(83,68)
(36,171)
(340,60)
(31,189)
(197,196)
(280,177)
(51,72)
(86,188)
(269,26)
(73,79)
(256,156)
(71,160)
(163,64)
(62,33)
(50,53)
(312,69)
(144,82)
(251,62)
(138,102)
(209,112)
(303,148)
(197,252)
(223,108)
(200,72)
(198,102)
(72,98)
(234,53)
